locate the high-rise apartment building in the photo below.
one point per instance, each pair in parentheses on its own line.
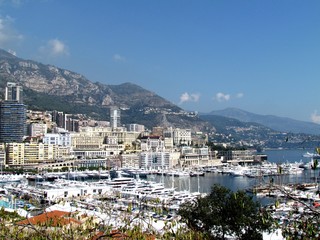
(114,117)
(59,118)
(12,115)
(13,92)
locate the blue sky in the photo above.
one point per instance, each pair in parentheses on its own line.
(260,56)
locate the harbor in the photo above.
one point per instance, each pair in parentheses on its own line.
(281,187)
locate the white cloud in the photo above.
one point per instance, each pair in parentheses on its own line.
(222,97)
(55,48)
(186,97)
(239,95)
(8,35)
(118,58)
(315,118)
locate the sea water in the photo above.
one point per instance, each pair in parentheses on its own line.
(205,183)
(283,156)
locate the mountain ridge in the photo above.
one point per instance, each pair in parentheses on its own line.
(47,87)
(283,124)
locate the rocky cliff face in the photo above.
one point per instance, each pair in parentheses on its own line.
(60,82)
(48,87)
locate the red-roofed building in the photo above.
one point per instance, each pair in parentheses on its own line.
(53,219)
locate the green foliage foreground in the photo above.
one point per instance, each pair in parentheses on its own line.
(224,213)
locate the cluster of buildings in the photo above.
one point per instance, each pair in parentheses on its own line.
(35,139)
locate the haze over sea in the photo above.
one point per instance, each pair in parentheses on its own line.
(203,184)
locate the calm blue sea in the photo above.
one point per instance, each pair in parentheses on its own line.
(292,155)
(204,184)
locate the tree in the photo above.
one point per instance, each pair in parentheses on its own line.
(224,213)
